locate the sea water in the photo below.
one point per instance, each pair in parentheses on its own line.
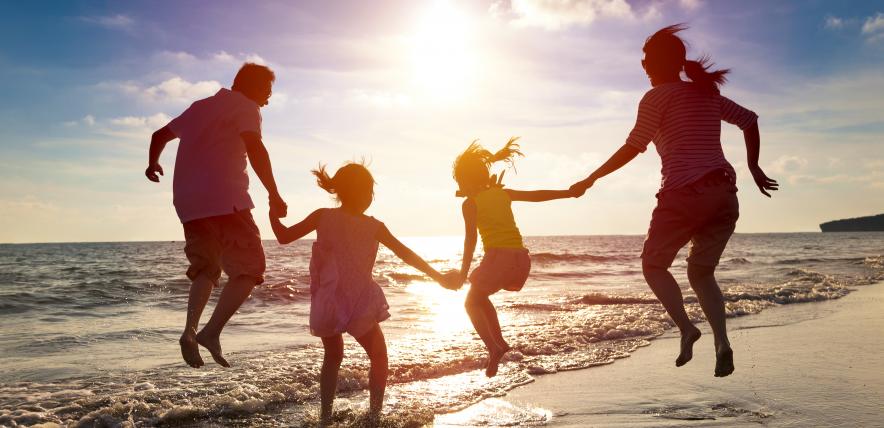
(89,331)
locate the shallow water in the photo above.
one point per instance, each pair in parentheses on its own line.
(88,332)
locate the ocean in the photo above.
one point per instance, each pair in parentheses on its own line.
(89,331)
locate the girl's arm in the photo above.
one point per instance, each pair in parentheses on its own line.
(284,235)
(470,212)
(621,157)
(540,195)
(385,237)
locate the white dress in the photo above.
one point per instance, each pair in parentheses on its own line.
(343,295)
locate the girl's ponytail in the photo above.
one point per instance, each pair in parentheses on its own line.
(323,180)
(709,81)
(507,153)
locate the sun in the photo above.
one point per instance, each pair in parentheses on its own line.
(443,54)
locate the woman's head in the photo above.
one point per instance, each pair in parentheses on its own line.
(352,185)
(666,56)
(471,168)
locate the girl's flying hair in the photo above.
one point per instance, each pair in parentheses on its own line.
(471,168)
(349,183)
(665,53)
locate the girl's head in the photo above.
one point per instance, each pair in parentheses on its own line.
(352,185)
(665,57)
(471,168)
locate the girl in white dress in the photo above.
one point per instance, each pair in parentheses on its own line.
(343,295)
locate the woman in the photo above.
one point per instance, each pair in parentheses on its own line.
(697,200)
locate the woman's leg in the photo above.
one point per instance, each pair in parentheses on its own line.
(376,347)
(708,292)
(328,377)
(666,289)
(485,321)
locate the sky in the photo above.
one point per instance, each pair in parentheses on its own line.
(407,85)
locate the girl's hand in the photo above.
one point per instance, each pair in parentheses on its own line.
(579,188)
(452,280)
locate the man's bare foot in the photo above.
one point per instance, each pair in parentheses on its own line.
(190,351)
(213,344)
(687,346)
(724,361)
(494,358)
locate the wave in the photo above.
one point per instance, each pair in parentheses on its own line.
(573,258)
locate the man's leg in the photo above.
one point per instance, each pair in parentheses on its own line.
(234,294)
(200,290)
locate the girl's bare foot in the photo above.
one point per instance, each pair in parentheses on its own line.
(687,346)
(189,349)
(724,361)
(494,358)
(213,344)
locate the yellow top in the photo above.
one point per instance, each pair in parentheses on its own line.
(495,219)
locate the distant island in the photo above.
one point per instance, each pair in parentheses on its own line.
(873,223)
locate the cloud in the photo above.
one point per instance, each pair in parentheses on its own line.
(873,28)
(834,22)
(558,14)
(88,120)
(111,22)
(178,89)
(140,122)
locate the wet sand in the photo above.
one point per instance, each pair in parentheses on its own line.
(813,364)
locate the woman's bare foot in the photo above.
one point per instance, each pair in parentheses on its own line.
(687,346)
(724,361)
(494,358)
(213,344)
(189,349)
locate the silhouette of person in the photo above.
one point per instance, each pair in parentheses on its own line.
(210,193)
(697,200)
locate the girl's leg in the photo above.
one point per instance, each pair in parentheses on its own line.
(485,321)
(667,291)
(708,292)
(376,347)
(328,377)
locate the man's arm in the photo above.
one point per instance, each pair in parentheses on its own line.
(260,161)
(753,148)
(621,157)
(540,195)
(158,142)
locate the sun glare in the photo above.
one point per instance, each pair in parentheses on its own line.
(442,51)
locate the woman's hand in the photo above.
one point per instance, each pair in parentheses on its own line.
(579,188)
(763,182)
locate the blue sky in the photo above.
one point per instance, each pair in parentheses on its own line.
(407,84)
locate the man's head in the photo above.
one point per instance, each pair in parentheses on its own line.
(255,82)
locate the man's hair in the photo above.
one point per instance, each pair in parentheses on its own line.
(252,76)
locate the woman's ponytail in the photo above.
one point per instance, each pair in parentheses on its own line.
(709,81)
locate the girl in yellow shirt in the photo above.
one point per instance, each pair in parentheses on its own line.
(506,263)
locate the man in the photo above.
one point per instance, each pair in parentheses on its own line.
(210,193)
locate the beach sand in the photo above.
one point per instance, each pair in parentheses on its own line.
(813,364)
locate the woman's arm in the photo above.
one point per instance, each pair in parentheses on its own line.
(385,237)
(284,235)
(621,157)
(753,147)
(470,212)
(540,195)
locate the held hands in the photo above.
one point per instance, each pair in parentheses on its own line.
(763,182)
(579,188)
(152,171)
(278,207)
(451,280)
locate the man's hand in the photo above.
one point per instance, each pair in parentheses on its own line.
(763,182)
(152,171)
(278,207)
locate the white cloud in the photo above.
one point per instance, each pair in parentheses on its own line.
(834,22)
(178,89)
(873,28)
(690,4)
(113,22)
(152,122)
(557,14)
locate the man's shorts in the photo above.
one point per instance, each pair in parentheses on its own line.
(230,242)
(704,213)
(501,269)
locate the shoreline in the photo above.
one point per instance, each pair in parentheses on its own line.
(811,364)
